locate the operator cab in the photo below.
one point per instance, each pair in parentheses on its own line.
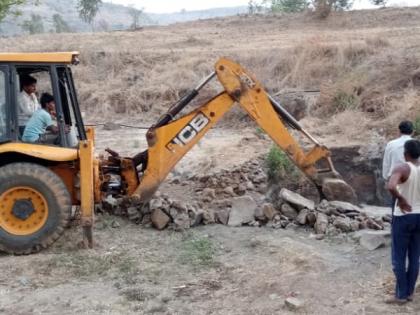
(53,74)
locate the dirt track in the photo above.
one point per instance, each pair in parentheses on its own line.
(232,271)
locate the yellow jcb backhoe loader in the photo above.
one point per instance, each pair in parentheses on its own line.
(39,183)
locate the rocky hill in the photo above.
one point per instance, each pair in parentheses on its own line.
(110,17)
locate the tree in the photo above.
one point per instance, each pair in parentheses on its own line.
(379,2)
(34,25)
(288,6)
(8,7)
(323,8)
(135,16)
(60,25)
(254,7)
(88,9)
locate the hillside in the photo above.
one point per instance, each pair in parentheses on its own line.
(363,62)
(110,16)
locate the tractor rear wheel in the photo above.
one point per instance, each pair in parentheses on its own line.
(35,208)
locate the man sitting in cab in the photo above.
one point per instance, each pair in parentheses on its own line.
(41,122)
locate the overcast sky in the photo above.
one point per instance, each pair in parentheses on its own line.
(169,6)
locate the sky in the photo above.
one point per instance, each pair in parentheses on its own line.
(169,6)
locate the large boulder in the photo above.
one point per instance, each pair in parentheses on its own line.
(337,189)
(243,210)
(372,240)
(298,201)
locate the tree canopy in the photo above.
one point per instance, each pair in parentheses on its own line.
(8,7)
(88,9)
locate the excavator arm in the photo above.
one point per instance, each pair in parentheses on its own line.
(169,140)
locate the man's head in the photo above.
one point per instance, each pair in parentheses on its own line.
(47,102)
(412,150)
(28,84)
(406,127)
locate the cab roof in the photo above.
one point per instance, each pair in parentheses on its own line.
(50,57)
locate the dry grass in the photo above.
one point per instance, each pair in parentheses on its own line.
(362,64)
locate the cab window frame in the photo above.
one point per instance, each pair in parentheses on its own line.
(9,122)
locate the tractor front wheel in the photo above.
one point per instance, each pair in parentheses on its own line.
(35,208)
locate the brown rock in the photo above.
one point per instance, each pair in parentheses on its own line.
(337,189)
(269,211)
(159,219)
(288,211)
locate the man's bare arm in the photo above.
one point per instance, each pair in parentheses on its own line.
(399,175)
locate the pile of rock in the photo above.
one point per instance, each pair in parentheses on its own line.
(160,212)
(289,209)
(249,177)
(328,217)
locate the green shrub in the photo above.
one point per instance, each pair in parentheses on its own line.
(417,127)
(279,165)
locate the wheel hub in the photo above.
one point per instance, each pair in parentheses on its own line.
(23,208)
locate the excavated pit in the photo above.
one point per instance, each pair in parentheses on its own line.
(363,173)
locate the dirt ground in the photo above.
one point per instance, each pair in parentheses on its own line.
(206,270)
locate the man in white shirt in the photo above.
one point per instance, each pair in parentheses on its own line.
(27,101)
(394,151)
(404,185)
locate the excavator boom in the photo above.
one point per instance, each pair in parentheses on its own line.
(169,139)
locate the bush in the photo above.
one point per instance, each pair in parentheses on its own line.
(417,127)
(279,164)
(344,101)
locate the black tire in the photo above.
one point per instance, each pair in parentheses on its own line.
(56,195)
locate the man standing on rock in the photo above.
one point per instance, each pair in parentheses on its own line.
(404,186)
(394,151)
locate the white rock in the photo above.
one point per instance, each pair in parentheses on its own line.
(243,209)
(297,200)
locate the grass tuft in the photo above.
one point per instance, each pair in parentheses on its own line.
(198,251)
